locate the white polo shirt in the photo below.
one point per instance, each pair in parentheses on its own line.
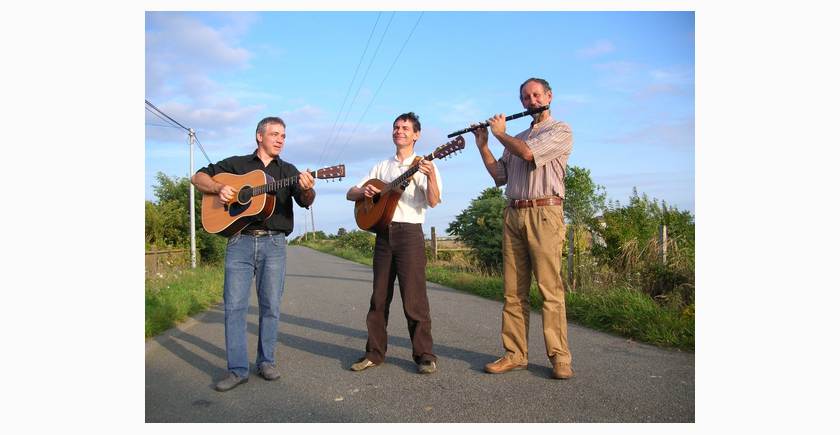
(412,205)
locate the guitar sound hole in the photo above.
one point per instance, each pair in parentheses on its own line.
(244,195)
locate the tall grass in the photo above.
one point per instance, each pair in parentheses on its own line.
(173,296)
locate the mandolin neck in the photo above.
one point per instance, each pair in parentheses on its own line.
(409,173)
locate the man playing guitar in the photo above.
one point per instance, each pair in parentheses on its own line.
(258,250)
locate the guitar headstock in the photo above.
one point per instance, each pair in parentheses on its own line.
(448,148)
(330,172)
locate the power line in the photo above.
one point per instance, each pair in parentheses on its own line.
(201,147)
(381,39)
(169,124)
(349,87)
(161,125)
(341,150)
(167,116)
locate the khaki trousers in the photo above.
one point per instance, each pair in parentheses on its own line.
(533,242)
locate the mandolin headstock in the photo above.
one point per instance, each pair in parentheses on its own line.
(448,148)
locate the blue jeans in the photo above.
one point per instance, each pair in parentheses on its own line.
(248,257)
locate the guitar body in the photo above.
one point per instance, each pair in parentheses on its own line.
(227,219)
(374,214)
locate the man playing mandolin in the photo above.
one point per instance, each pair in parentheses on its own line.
(258,250)
(400,248)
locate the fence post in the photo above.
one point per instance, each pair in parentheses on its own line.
(434,244)
(570,259)
(663,243)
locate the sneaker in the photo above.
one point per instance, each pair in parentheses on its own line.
(363,364)
(427,367)
(268,371)
(231,381)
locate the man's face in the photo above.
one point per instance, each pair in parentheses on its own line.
(404,134)
(271,141)
(534,95)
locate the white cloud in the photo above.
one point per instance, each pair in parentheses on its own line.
(596,49)
(188,43)
(182,53)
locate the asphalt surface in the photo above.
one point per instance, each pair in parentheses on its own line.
(322,332)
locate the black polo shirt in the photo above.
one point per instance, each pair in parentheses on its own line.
(282,219)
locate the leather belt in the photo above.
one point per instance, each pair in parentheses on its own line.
(260,233)
(523,203)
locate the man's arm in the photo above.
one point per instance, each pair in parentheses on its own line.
(487,157)
(517,147)
(206,185)
(432,190)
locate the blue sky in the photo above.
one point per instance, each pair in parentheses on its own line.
(624,81)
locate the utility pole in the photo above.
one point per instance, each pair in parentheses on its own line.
(192,202)
(312,215)
(305,227)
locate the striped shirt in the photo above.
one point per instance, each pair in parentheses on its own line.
(550,142)
(411,208)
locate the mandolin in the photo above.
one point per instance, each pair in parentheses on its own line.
(375,213)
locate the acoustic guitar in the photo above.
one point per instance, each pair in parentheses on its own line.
(253,199)
(375,213)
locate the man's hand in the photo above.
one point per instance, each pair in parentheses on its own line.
(305,180)
(371,190)
(226,193)
(497,124)
(480,136)
(426,168)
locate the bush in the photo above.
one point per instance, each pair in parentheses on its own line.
(481,226)
(211,247)
(361,241)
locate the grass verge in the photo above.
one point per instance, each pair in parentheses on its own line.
(621,311)
(172,297)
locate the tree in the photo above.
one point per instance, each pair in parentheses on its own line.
(584,199)
(168,220)
(480,226)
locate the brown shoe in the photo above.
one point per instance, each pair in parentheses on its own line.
(503,365)
(563,371)
(363,364)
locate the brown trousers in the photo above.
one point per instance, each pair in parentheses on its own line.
(533,241)
(400,253)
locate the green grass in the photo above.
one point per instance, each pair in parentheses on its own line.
(176,295)
(619,310)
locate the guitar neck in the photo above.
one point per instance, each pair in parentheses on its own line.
(278,184)
(409,173)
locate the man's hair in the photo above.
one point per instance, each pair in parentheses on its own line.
(545,85)
(269,120)
(410,116)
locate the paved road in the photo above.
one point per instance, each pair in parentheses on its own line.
(322,332)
